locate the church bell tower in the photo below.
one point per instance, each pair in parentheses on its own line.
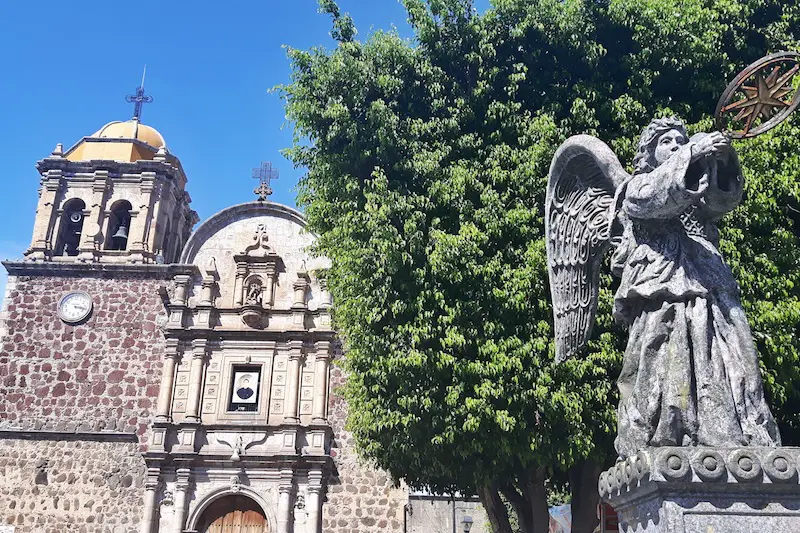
(116,196)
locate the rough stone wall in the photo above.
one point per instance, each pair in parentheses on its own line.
(49,486)
(434,514)
(103,374)
(360,498)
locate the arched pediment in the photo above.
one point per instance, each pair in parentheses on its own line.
(235,213)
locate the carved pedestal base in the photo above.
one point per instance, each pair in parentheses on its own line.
(706,490)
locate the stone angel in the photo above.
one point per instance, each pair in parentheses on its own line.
(690,372)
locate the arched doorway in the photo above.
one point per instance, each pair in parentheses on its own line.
(233,514)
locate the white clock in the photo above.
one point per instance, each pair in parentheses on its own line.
(74,307)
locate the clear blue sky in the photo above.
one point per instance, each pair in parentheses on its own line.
(67,67)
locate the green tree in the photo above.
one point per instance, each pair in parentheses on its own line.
(427,162)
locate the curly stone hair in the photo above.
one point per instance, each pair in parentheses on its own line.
(645,159)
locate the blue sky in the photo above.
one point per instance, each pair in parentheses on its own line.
(67,67)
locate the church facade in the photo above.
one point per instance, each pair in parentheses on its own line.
(155,377)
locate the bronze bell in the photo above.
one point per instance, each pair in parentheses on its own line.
(120,238)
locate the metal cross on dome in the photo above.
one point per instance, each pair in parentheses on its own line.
(265,173)
(139,98)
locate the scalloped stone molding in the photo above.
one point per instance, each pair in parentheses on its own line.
(706,490)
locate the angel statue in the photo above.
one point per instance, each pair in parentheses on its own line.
(690,373)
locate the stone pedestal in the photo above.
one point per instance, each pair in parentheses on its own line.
(706,490)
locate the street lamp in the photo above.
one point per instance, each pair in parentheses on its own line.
(466,523)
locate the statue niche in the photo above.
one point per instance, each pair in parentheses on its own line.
(254,290)
(256,274)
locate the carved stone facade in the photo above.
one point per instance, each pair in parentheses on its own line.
(181,393)
(244,394)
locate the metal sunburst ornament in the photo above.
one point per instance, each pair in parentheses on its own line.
(762,96)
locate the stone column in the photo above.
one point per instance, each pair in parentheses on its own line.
(269,294)
(42,242)
(300,287)
(137,236)
(167,381)
(151,487)
(207,294)
(314,500)
(181,493)
(321,364)
(285,501)
(293,382)
(155,215)
(238,284)
(324,321)
(299,306)
(179,300)
(181,296)
(92,235)
(325,295)
(196,380)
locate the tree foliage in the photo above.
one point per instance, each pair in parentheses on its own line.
(427,162)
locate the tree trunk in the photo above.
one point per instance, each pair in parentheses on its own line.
(583,479)
(536,495)
(495,509)
(530,504)
(522,508)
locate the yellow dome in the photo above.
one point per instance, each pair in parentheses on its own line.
(131,129)
(119,141)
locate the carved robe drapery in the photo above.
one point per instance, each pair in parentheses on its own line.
(690,374)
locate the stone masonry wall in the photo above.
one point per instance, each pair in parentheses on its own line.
(360,498)
(101,375)
(49,486)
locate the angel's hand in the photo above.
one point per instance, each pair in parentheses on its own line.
(710,145)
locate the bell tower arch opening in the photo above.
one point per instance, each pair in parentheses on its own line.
(70,227)
(233,514)
(119,223)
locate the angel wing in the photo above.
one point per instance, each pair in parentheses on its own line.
(585,178)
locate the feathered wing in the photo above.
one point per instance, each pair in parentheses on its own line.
(579,210)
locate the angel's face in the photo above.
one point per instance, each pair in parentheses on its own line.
(668,144)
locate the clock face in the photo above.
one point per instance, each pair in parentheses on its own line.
(74,307)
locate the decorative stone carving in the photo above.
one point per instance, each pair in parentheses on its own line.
(259,245)
(236,483)
(300,502)
(256,273)
(168,499)
(238,442)
(684,490)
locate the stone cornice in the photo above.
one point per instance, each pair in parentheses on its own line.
(96,436)
(114,168)
(102,270)
(698,469)
(239,338)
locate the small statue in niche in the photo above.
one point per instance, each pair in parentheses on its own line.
(253,293)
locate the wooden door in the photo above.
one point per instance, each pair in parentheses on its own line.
(238,522)
(234,514)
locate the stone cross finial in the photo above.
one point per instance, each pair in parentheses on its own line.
(265,173)
(139,98)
